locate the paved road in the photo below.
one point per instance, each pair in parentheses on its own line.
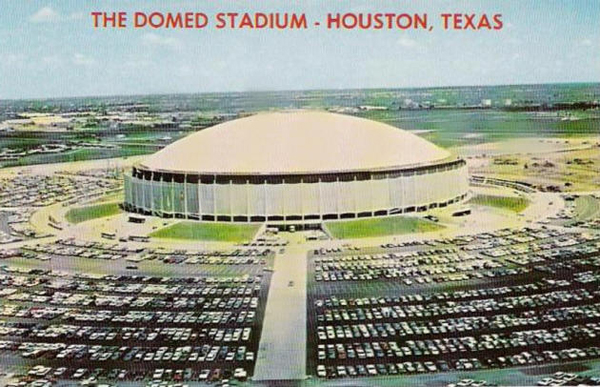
(282,349)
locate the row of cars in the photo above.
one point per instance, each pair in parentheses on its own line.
(387,367)
(542,249)
(464,324)
(434,256)
(75,315)
(161,252)
(207,287)
(124,334)
(6,238)
(449,346)
(63,278)
(43,190)
(18,226)
(116,354)
(355,271)
(111,251)
(251,256)
(460,308)
(571,216)
(542,285)
(390,369)
(93,376)
(121,301)
(95,250)
(471,383)
(569,379)
(495,238)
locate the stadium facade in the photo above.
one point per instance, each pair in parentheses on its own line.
(296,167)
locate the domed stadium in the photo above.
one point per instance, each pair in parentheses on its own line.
(295,167)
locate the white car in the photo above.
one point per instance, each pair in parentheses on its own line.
(371,369)
(158,373)
(204,375)
(90,382)
(321,372)
(59,371)
(240,374)
(39,370)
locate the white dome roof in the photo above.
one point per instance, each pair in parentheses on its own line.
(298,142)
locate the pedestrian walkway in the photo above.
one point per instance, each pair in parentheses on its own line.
(282,350)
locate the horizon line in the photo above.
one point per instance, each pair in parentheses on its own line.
(292,90)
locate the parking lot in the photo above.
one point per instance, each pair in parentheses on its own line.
(513,298)
(44,190)
(117,311)
(201,323)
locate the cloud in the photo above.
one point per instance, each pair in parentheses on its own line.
(45,15)
(83,60)
(14,59)
(185,70)
(50,15)
(586,42)
(76,16)
(135,64)
(52,60)
(154,40)
(407,42)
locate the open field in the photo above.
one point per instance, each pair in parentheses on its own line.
(208,231)
(366,228)
(80,155)
(78,215)
(566,171)
(586,207)
(516,204)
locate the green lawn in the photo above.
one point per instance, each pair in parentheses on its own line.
(365,228)
(586,207)
(81,214)
(117,196)
(79,155)
(226,232)
(516,204)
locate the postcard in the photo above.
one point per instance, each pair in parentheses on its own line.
(299,193)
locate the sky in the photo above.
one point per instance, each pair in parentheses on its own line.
(50,48)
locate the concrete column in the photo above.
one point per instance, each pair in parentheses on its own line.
(230,199)
(338,196)
(302,211)
(320,198)
(199,198)
(172,195)
(266,198)
(214,189)
(247,201)
(284,212)
(185,205)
